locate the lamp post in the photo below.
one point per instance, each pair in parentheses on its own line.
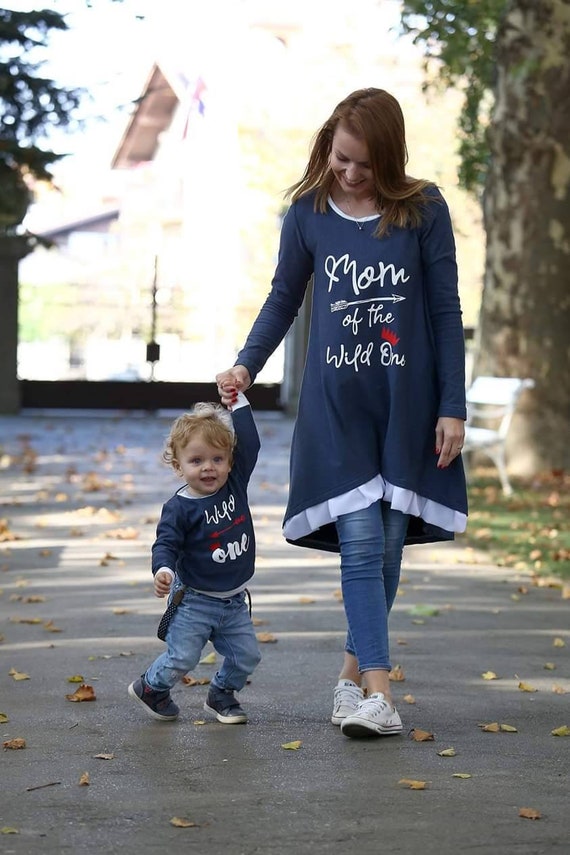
(153,348)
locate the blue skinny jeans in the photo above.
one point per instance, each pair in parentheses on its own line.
(371,546)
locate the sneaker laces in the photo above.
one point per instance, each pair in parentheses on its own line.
(347,695)
(375,703)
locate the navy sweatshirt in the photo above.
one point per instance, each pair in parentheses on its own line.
(385,355)
(209,542)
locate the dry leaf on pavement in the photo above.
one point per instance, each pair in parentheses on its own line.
(266,638)
(397,674)
(526,687)
(83,693)
(84,780)
(447,752)
(195,681)
(561,731)
(489,675)
(14,744)
(292,746)
(411,784)
(18,675)
(530,813)
(421,735)
(180,822)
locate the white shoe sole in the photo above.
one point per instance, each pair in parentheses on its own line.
(226,719)
(147,709)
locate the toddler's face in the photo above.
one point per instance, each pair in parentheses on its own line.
(204,467)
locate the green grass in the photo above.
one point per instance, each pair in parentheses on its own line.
(528,531)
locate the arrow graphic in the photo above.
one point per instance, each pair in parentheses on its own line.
(343,304)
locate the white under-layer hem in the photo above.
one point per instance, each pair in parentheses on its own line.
(361,497)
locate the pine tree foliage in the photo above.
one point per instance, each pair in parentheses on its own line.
(31,104)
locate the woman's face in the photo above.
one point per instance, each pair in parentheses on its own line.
(350,165)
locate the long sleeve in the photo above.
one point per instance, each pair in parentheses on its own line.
(293,271)
(444,310)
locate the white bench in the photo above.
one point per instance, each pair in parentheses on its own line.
(491,403)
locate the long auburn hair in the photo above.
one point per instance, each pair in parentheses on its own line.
(375,117)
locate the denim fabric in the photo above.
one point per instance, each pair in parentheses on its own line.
(371,545)
(198,619)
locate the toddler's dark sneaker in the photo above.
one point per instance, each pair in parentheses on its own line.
(156,704)
(223,704)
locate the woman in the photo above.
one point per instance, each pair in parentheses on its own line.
(375,456)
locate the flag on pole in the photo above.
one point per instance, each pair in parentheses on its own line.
(196,105)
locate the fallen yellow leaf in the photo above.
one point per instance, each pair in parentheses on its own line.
(266,638)
(549,666)
(209,659)
(508,728)
(3,718)
(77,678)
(447,752)
(292,746)
(180,822)
(412,784)
(559,642)
(307,600)
(18,675)
(199,721)
(461,775)
(104,756)
(526,687)
(83,693)
(558,690)
(493,727)
(84,780)
(8,829)
(409,699)
(530,813)
(561,731)
(489,675)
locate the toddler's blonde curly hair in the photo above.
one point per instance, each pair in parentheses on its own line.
(210,421)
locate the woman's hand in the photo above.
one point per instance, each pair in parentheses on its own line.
(231,382)
(449,437)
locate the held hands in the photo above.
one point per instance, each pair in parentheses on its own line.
(231,382)
(449,436)
(162,583)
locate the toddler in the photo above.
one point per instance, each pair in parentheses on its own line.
(203,558)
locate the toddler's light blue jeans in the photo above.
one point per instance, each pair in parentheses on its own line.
(371,545)
(197,620)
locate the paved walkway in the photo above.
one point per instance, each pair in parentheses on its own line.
(80,499)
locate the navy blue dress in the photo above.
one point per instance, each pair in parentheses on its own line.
(385,359)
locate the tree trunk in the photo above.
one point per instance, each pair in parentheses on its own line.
(12,249)
(525,313)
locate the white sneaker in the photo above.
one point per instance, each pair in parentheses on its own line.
(347,696)
(374,717)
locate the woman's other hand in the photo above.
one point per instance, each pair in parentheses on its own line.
(449,437)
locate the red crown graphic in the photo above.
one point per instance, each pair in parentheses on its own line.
(390,336)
